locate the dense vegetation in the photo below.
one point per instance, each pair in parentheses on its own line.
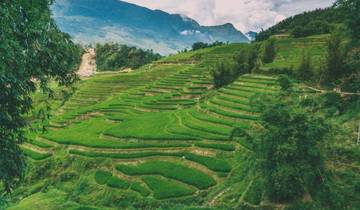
(110,57)
(163,137)
(320,21)
(33,52)
(202,45)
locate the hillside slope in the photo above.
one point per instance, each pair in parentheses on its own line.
(156,137)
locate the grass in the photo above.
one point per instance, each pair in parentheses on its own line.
(171,170)
(102,177)
(224,147)
(116,182)
(214,164)
(165,188)
(35,155)
(140,188)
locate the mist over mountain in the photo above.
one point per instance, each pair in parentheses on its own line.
(99,21)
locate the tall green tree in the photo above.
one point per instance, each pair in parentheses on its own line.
(352,11)
(289,148)
(335,59)
(32,52)
(305,72)
(269,51)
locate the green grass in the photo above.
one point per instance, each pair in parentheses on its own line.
(224,147)
(290,51)
(171,170)
(102,177)
(140,188)
(152,127)
(165,188)
(35,155)
(214,164)
(39,143)
(116,182)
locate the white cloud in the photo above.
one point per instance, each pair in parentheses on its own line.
(244,14)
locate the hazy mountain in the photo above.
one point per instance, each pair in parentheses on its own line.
(251,35)
(92,21)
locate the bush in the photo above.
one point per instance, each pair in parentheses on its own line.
(102,177)
(284,82)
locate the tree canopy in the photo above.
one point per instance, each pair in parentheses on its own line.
(116,56)
(33,52)
(290,147)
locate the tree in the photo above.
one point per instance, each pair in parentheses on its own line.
(115,56)
(305,72)
(289,148)
(269,51)
(285,82)
(352,8)
(335,63)
(352,82)
(199,45)
(33,52)
(224,73)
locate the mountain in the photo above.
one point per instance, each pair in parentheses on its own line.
(251,35)
(93,21)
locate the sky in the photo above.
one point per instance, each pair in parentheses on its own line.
(246,15)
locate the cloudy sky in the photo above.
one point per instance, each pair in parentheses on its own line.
(244,14)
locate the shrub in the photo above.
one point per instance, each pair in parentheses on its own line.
(102,177)
(284,82)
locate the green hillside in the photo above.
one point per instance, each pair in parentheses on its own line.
(157,137)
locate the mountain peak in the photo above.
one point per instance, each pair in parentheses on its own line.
(99,21)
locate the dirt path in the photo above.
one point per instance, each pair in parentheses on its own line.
(332,91)
(88,65)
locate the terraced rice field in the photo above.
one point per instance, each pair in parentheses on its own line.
(165,128)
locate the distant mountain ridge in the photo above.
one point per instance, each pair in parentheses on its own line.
(92,21)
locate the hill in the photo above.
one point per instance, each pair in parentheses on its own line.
(117,21)
(158,137)
(320,21)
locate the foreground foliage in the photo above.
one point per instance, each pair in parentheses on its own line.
(33,51)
